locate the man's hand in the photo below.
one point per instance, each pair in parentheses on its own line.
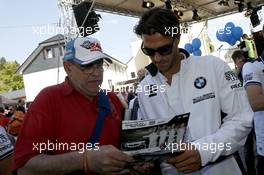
(141,169)
(107,160)
(187,162)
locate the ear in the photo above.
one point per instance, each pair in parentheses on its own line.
(67,66)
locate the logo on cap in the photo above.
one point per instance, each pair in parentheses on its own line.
(91,46)
(200,82)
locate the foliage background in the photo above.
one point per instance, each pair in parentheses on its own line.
(9,81)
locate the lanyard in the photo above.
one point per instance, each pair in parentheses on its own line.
(104,110)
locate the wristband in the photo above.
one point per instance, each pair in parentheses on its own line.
(86,162)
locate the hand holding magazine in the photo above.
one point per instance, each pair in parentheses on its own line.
(151,140)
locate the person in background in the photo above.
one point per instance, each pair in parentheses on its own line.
(131,94)
(10,111)
(133,104)
(253,77)
(16,121)
(239,61)
(247,45)
(249,147)
(121,98)
(3,119)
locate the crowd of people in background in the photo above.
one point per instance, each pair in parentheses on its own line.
(11,118)
(128,95)
(250,71)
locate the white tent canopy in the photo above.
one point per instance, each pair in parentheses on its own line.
(207,9)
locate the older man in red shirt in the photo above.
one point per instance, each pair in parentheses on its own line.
(73,127)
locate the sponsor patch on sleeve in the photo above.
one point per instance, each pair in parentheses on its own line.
(248,77)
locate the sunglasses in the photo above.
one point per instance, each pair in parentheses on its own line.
(90,68)
(164,50)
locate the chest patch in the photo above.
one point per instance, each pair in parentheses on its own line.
(204,97)
(200,82)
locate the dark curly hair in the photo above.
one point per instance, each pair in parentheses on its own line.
(158,20)
(237,54)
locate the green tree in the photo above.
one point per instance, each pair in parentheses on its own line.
(8,79)
(2,62)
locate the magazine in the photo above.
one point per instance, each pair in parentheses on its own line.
(150,140)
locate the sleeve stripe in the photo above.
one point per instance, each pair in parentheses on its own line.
(252,83)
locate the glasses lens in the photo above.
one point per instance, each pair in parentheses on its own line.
(149,52)
(90,68)
(87,70)
(165,50)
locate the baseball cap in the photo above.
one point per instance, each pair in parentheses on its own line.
(84,50)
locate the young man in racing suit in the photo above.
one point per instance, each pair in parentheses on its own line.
(204,86)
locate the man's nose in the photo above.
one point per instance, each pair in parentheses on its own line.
(157,57)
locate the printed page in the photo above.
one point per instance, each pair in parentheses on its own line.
(149,140)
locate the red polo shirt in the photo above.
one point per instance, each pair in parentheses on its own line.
(60,114)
